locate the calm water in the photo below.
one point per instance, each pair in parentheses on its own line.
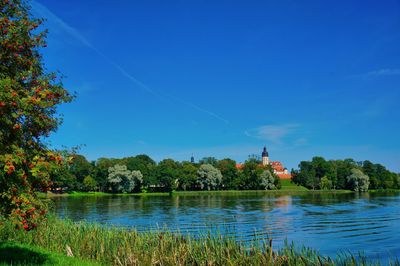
(330,223)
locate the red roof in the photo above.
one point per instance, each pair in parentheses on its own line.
(239,166)
(277,166)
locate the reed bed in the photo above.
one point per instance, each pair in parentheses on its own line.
(118,246)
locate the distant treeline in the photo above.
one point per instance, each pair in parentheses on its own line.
(344,174)
(142,174)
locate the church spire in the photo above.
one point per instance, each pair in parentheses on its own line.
(265,152)
(265,156)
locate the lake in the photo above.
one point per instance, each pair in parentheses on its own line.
(328,222)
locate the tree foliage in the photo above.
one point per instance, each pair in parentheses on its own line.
(144,164)
(29,97)
(167,175)
(187,177)
(123,180)
(89,183)
(358,181)
(322,174)
(326,183)
(229,172)
(267,180)
(208,177)
(250,176)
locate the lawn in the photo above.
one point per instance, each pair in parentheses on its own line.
(288,185)
(12,253)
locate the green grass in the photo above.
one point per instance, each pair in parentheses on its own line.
(383,190)
(287,189)
(288,185)
(116,246)
(12,253)
(100,194)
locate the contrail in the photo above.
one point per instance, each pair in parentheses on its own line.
(46,13)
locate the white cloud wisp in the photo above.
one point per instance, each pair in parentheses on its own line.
(46,13)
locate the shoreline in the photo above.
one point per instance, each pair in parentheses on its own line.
(201,193)
(94,244)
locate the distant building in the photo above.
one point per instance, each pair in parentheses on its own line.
(192,159)
(277,166)
(265,157)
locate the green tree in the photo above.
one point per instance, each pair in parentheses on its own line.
(306,175)
(63,179)
(267,180)
(209,160)
(358,180)
(29,97)
(145,165)
(80,168)
(138,180)
(326,183)
(229,173)
(100,171)
(188,176)
(208,177)
(343,170)
(250,175)
(167,175)
(396,181)
(121,179)
(89,183)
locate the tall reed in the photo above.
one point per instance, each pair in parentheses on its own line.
(117,246)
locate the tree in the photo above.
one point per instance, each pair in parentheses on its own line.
(138,180)
(267,180)
(100,171)
(209,160)
(80,168)
(208,177)
(167,175)
(145,165)
(121,179)
(229,173)
(188,176)
(358,180)
(62,180)
(326,184)
(29,97)
(89,183)
(343,170)
(250,175)
(306,176)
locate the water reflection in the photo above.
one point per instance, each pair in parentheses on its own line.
(328,222)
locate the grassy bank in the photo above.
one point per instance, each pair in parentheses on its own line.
(111,246)
(288,188)
(202,193)
(287,185)
(13,253)
(100,194)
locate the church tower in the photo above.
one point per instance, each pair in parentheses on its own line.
(265,158)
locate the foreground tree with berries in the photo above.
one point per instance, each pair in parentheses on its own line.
(29,97)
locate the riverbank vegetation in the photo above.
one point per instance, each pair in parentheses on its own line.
(344,174)
(142,174)
(14,253)
(113,246)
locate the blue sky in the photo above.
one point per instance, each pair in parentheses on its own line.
(225,78)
